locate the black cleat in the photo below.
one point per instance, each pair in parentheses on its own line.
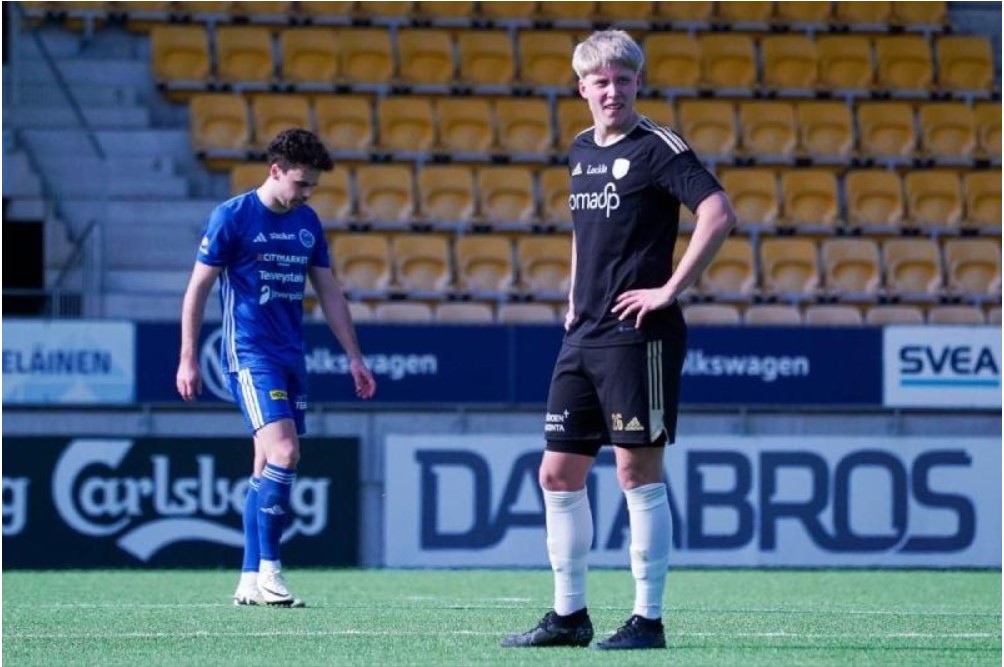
(637,632)
(552,632)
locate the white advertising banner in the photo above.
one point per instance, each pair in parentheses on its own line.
(942,367)
(65,362)
(736,501)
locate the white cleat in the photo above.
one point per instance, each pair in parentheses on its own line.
(248,595)
(273,591)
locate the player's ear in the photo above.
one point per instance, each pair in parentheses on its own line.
(582,88)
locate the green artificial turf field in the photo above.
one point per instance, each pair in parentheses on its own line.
(418,617)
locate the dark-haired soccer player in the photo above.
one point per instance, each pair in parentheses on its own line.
(616,379)
(262,246)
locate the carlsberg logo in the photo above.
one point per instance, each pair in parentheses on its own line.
(607,200)
(150,511)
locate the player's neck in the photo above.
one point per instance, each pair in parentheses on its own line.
(606,135)
(269,200)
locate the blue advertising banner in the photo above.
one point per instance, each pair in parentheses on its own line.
(431,365)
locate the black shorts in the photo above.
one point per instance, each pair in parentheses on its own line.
(626,395)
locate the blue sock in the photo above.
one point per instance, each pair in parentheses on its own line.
(251,526)
(273,508)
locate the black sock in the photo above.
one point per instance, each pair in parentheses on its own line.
(572,619)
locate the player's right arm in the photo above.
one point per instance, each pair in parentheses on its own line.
(570,314)
(188,379)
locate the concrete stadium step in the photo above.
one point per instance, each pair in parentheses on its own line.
(149,307)
(99,118)
(138,281)
(19,179)
(51,96)
(149,247)
(92,72)
(171,143)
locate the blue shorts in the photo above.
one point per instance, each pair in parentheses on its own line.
(266,396)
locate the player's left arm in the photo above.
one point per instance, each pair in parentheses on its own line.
(336,314)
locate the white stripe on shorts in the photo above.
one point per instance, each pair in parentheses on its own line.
(655,394)
(250,399)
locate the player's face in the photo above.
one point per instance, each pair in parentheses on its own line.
(293,186)
(611,92)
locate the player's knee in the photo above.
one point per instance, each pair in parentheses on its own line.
(556,480)
(285,454)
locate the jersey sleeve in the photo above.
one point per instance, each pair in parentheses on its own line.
(677,170)
(216,248)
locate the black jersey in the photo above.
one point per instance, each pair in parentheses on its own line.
(625,202)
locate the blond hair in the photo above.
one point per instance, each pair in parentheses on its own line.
(604,48)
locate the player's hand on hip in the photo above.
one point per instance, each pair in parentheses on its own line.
(363,379)
(640,302)
(188,381)
(569,318)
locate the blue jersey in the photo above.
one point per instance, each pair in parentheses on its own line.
(265,257)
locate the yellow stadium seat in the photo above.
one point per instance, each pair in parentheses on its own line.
(384,192)
(553,11)
(825,130)
(845,62)
(244,54)
(526,313)
(464,312)
(964,63)
(745,11)
(384,9)
(988,128)
(403,312)
(545,57)
(919,14)
(789,61)
(523,125)
(624,11)
(955,314)
(671,60)
(862,13)
(360,311)
(554,191)
(486,57)
(247,176)
(874,197)
(903,62)
(912,266)
(789,265)
(731,270)
(364,54)
(574,117)
(204,8)
(768,128)
(449,9)
(508,10)
(405,123)
(260,9)
(709,126)
(894,314)
(772,315)
(727,60)
(657,110)
(506,195)
(446,193)
(484,263)
(464,124)
(811,198)
(421,262)
(179,53)
(426,56)
(274,112)
(701,314)
(219,121)
(322,10)
(361,260)
(754,195)
(332,198)
(851,266)
(973,266)
(309,55)
(886,129)
(983,199)
(947,129)
(933,198)
(684,12)
(797,12)
(828,315)
(345,122)
(544,263)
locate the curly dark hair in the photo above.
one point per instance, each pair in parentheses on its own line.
(299,148)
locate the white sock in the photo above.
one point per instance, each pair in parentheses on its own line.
(269,565)
(651,532)
(569,536)
(249,579)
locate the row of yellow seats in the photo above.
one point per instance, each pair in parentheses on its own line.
(826,131)
(539,264)
(864,268)
(839,314)
(942,200)
(715,61)
(931,15)
(715,314)
(459,195)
